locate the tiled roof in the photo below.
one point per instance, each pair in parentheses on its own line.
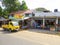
(17,12)
(21,12)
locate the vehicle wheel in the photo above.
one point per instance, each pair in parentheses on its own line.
(10,30)
(4,29)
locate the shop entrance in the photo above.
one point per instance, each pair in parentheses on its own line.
(39,22)
(50,23)
(0,23)
(58,26)
(59,21)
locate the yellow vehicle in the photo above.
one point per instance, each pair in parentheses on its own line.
(11,26)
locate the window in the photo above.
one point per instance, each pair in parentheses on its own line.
(15,23)
(26,15)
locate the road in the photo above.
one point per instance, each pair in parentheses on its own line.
(9,40)
(28,38)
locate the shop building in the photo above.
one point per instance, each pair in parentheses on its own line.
(46,20)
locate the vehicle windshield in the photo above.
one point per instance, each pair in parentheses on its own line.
(15,23)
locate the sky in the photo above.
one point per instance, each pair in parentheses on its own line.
(48,4)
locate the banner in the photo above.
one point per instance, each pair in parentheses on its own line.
(18,16)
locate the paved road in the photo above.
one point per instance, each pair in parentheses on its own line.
(10,40)
(28,38)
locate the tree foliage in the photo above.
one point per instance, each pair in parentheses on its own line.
(0,11)
(23,6)
(41,9)
(5,13)
(11,5)
(14,5)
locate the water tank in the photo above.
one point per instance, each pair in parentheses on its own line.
(55,10)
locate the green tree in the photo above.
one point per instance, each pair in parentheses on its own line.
(11,5)
(5,13)
(23,6)
(0,11)
(41,9)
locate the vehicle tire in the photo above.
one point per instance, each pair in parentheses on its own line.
(10,30)
(4,29)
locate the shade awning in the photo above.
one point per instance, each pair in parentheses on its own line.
(26,18)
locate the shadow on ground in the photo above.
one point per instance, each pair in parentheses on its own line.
(43,31)
(7,32)
(33,30)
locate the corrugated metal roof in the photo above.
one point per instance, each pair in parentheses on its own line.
(2,19)
(48,14)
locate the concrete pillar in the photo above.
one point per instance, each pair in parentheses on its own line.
(56,23)
(43,22)
(57,20)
